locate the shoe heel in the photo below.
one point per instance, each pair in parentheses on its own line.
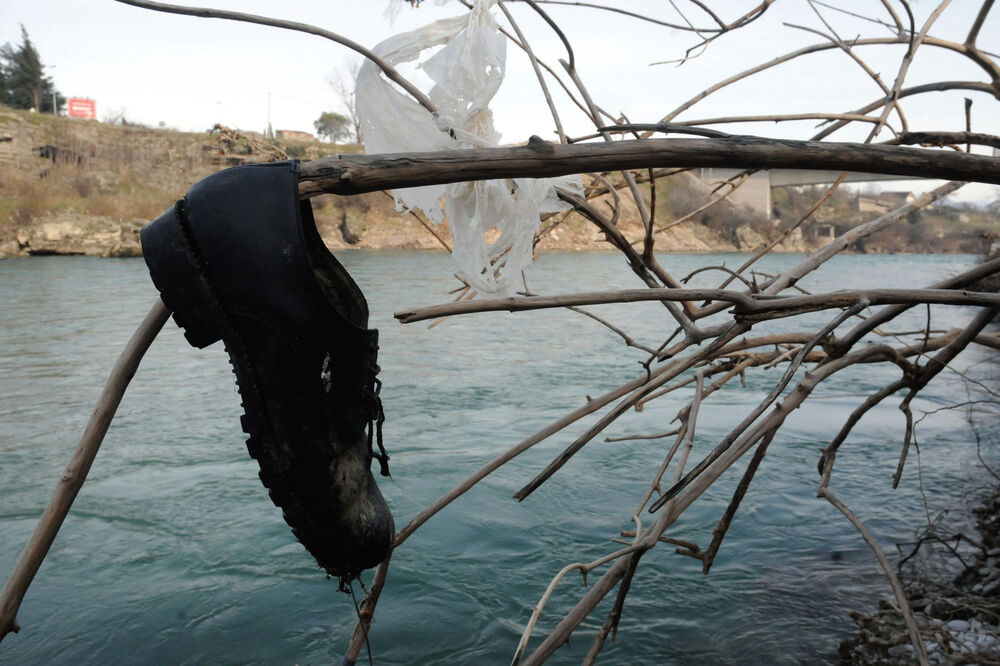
(178,279)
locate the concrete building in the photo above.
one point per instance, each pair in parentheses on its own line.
(883,202)
(294,135)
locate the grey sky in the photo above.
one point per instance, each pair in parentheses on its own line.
(190,73)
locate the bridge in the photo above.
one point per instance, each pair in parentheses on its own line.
(755,193)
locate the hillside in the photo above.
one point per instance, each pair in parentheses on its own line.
(81,187)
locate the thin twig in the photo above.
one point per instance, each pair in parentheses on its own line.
(897,588)
(79,465)
(359,637)
(204,12)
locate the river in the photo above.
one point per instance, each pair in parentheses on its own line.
(173,552)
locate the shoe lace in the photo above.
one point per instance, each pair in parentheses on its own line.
(377,417)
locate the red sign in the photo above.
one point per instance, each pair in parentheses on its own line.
(81,108)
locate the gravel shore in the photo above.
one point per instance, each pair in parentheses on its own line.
(952,579)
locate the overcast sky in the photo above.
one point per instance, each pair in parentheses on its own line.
(189,73)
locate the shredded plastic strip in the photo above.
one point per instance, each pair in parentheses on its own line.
(465,58)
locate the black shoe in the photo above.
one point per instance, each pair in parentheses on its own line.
(240,259)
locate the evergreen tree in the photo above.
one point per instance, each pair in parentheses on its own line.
(26,75)
(23,84)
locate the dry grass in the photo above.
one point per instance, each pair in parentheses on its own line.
(29,193)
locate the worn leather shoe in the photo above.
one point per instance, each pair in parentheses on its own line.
(239,259)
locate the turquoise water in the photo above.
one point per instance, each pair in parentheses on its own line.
(173,552)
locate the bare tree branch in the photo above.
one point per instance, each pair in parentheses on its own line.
(355,174)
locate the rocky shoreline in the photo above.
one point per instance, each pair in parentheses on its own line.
(952,580)
(69,233)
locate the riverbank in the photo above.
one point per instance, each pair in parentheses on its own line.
(365,222)
(79,187)
(73,187)
(951,570)
(371,222)
(951,574)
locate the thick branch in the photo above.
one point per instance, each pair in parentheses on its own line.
(354,174)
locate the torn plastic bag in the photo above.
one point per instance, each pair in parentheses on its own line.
(466,70)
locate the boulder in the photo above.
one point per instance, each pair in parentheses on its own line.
(69,232)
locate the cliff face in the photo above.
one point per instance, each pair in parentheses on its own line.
(81,187)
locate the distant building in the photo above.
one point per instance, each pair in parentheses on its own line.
(882,202)
(78,107)
(294,135)
(824,230)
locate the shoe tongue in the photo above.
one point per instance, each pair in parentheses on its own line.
(336,283)
(343,295)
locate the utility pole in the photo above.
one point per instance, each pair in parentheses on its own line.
(270,131)
(55,101)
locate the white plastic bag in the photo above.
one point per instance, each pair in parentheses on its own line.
(466,71)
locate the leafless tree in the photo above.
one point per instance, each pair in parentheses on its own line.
(342,82)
